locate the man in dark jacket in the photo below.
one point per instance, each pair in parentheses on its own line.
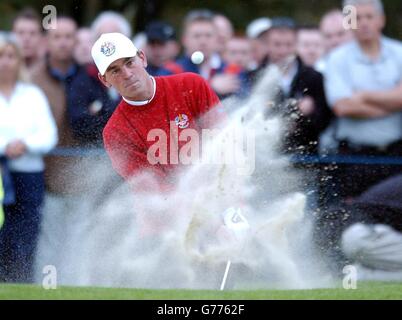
(306,110)
(301,99)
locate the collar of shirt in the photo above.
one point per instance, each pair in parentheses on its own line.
(17,88)
(57,74)
(144,102)
(287,77)
(215,61)
(361,56)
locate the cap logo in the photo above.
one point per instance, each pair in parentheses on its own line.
(108,49)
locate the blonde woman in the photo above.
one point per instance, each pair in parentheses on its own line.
(27,132)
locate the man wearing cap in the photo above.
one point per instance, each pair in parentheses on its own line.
(255,32)
(162,103)
(301,98)
(158,35)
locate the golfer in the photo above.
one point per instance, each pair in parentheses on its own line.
(148,103)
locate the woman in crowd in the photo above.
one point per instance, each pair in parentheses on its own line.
(27,132)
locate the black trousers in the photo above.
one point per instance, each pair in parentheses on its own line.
(18,237)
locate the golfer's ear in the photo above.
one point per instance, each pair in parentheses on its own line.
(103,80)
(143,58)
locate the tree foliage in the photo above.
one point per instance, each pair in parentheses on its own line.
(241,12)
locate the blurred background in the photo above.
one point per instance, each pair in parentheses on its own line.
(240,12)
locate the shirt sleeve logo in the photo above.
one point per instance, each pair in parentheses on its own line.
(108,49)
(182,121)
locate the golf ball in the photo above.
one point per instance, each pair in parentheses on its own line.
(197,57)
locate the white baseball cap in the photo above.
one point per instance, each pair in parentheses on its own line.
(111,47)
(258,26)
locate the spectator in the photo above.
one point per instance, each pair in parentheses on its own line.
(158,34)
(163,43)
(27,132)
(199,34)
(54,75)
(237,57)
(80,104)
(256,32)
(174,49)
(333,31)
(358,76)
(89,103)
(225,31)
(110,21)
(334,34)
(27,27)
(89,107)
(301,99)
(310,45)
(82,51)
(140,40)
(238,52)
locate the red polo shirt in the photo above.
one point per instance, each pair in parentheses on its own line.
(179,102)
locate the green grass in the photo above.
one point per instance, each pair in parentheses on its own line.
(376,291)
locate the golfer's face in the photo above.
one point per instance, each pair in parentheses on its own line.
(128,76)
